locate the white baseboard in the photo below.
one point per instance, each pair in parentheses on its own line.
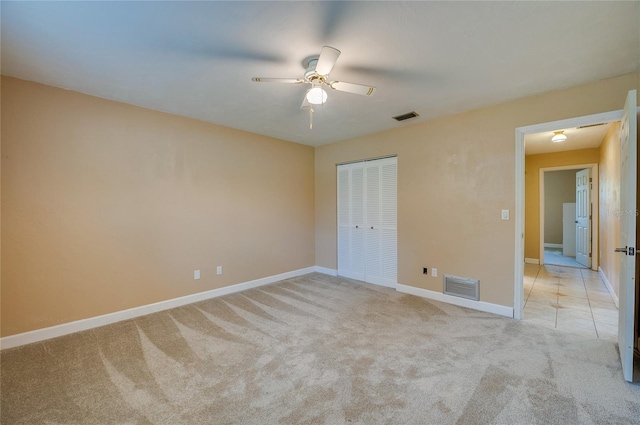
(553,245)
(324,270)
(609,287)
(531,261)
(462,302)
(118,316)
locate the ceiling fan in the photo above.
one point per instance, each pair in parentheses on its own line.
(316,74)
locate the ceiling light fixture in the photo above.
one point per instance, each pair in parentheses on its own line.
(559,136)
(316,96)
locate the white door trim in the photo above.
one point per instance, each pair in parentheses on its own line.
(595,199)
(520,132)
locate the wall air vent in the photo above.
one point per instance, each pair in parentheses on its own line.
(406,116)
(462,287)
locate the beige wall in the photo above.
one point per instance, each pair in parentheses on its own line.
(532,166)
(610,205)
(455,174)
(559,188)
(108,206)
(0,208)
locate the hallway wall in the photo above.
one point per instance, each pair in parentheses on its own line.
(559,188)
(533,164)
(610,205)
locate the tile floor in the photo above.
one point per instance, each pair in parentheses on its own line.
(569,299)
(554,256)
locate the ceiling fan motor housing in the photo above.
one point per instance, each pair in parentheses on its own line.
(310,74)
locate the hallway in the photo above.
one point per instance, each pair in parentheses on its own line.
(553,256)
(569,299)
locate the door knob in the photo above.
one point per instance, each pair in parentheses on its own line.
(627,250)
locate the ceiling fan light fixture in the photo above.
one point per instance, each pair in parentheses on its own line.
(559,136)
(316,96)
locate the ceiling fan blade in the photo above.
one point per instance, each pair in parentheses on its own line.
(326,60)
(352,88)
(278,80)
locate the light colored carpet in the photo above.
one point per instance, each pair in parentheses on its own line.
(317,350)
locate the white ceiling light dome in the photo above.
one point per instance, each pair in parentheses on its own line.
(316,96)
(559,136)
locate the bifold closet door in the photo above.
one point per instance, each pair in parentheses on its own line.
(382,224)
(351,221)
(367,217)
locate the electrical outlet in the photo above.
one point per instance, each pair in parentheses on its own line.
(196,274)
(434,272)
(219,270)
(425,270)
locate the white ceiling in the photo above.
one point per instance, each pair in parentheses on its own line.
(197,58)
(577,138)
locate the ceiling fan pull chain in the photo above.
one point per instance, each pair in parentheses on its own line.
(311,118)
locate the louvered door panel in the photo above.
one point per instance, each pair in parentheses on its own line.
(344,218)
(389,219)
(373,194)
(389,257)
(372,218)
(357,222)
(357,195)
(357,253)
(388,194)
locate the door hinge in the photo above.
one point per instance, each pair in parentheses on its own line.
(590,179)
(589,255)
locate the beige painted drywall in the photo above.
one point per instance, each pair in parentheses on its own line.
(533,163)
(559,188)
(108,206)
(0,208)
(610,205)
(455,175)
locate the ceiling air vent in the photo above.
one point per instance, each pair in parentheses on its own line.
(591,125)
(406,116)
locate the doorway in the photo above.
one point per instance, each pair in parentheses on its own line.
(564,241)
(520,134)
(562,177)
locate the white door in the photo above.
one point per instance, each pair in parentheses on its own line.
(389,222)
(351,260)
(372,229)
(381,222)
(627,333)
(569,229)
(357,222)
(583,217)
(344,220)
(367,210)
